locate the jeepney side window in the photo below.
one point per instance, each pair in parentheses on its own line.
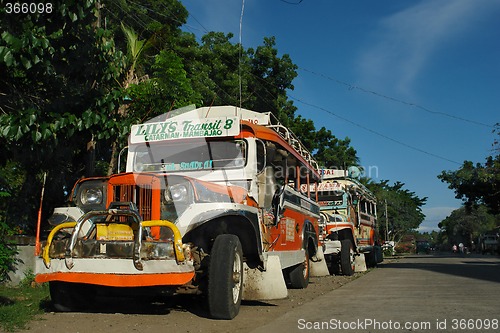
(261,155)
(276,157)
(363,206)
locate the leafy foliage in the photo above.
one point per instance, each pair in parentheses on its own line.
(62,107)
(404,209)
(333,152)
(8,251)
(57,93)
(476,184)
(480,183)
(466,224)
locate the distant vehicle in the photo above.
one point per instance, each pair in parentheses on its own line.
(423,246)
(388,247)
(488,243)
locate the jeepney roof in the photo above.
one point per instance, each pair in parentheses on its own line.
(190,112)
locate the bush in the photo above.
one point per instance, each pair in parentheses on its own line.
(405,248)
(8,252)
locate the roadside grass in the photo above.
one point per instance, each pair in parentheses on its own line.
(21,304)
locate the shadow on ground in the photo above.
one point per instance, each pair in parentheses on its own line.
(470,266)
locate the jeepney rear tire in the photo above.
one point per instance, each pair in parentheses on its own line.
(299,274)
(69,297)
(225,277)
(346,257)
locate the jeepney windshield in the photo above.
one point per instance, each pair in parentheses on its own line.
(191,155)
(337,199)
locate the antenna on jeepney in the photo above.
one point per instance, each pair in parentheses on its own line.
(240,49)
(210,107)
(167,115)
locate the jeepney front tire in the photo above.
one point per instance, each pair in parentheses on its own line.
(371,258)
(299,274)
(347,257)
(225,277)
(69,297)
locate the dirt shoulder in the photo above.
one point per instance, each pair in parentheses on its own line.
(180,313)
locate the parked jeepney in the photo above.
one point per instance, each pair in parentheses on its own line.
(348,222)
(209,203)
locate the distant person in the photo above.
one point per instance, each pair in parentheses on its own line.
(454,248)
(461,247)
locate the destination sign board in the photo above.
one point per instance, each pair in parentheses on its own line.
(182,128)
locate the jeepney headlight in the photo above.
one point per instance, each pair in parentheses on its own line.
(178,192)
(91,196)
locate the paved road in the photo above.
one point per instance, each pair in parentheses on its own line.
(441,293)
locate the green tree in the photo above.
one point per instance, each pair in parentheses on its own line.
(135,49)
(480,183)
(332,152)
(218,70)
(57,91)
(466,224)
(269,79)
(155,20)
(66,76)
(404,209)
(476,184)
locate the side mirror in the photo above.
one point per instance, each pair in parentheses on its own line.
(277,203)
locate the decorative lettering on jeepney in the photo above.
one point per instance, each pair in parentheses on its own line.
(330,203)
(287,228)
(184,129)
(324,186)
(191,165)
(290,229)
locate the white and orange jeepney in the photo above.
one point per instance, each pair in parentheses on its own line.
(348,222)
(210,203)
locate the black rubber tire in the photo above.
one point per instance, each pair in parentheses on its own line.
(69,297)
(346,257)
(371,259)
(333,264)
(299,274)
(225,277)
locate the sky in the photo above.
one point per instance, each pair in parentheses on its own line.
(414,84)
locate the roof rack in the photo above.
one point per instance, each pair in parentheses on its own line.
(291,139)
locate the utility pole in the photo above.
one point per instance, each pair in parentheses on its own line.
(386,223)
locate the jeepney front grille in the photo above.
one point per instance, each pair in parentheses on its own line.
(141,195)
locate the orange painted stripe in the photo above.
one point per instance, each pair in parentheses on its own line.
(119,280)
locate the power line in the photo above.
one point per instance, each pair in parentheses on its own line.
(417,106)
(292,3)
(373,132)
(142,23)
